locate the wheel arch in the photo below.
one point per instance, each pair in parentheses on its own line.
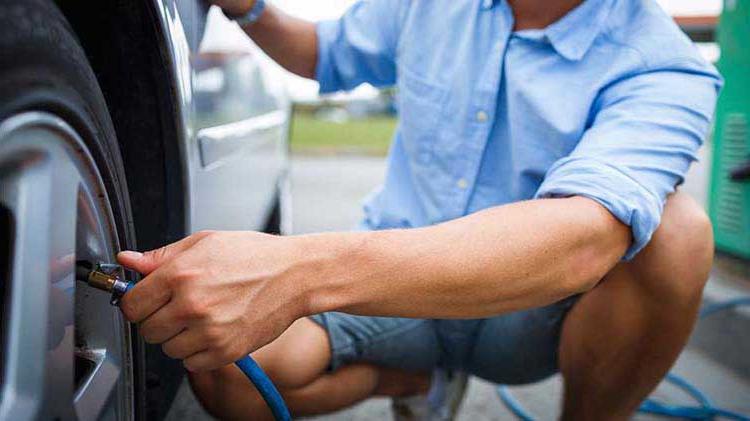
(129,52)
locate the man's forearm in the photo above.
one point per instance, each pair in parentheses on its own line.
(503,259)
(291,42)
(200,291)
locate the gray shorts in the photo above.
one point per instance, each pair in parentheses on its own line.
(514,348)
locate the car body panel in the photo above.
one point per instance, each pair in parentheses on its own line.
(235,117)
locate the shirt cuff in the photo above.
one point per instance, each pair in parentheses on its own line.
(324,73)
(630,202)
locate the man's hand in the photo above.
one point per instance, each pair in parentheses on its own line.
(214,297)
(234,7)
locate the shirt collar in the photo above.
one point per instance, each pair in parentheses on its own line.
(573,34)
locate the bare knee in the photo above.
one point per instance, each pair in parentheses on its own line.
(227,394)
(298,357)
(676,262)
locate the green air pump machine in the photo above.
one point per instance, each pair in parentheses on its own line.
(730,174)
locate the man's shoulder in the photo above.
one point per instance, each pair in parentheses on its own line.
(644,27)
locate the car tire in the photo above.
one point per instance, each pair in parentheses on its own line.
(44,69)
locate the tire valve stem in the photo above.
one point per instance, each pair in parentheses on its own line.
(108,277)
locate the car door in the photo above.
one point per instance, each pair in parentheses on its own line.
(236,117)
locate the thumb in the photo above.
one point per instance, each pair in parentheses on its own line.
(130,259)
(149,261)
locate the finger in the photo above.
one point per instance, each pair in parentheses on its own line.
(146,297)
(162,325)
(205,361)
(154,291)
(185,344)
(149,261)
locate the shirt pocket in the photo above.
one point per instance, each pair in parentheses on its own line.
(420,105)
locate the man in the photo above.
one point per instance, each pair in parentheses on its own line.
(527,224)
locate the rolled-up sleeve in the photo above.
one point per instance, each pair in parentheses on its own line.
(360,46)
(646,131)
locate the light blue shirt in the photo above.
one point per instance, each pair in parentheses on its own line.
(610,102)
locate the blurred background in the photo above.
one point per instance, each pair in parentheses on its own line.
(338,143)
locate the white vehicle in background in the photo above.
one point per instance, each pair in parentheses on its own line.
(119,129)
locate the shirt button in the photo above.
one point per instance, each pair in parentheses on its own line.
(462,184)
(482,116)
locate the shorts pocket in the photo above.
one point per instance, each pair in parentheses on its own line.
(420,106)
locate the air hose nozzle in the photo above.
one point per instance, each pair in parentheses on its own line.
(107,277)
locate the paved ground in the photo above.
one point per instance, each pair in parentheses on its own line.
(327,196)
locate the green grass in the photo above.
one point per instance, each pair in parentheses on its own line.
(369,136)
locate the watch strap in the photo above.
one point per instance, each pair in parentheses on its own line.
(251,16)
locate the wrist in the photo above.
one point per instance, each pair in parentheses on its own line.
(327,270)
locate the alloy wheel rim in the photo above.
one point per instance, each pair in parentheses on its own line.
(65,350)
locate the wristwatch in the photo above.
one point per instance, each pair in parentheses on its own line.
(251,16)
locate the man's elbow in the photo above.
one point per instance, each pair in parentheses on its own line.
(604,242)
(589,266)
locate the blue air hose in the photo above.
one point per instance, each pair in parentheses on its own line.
(513,405)
(265,387)
(705,411)
(254,373)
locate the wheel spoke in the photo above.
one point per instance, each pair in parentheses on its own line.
(94,394)
(24,381)
(40,334)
